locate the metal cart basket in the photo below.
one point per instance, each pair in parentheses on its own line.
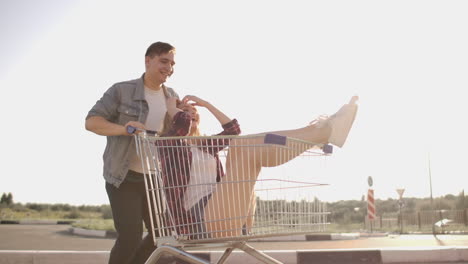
(202,194)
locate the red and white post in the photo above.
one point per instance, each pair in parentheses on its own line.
(370,202)
(370,205)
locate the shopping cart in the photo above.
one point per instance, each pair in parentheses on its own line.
(231,206)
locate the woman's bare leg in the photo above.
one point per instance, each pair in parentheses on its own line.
(228,209)
(250,219)
(270,155)
(232,199)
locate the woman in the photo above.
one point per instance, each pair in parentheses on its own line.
(191,168)
(208,207)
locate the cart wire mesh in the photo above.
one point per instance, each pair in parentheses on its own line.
(230,188)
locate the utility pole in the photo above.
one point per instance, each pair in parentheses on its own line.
(400,192)
(430,186)
(430,180)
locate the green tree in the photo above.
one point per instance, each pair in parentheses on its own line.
(3,199)
(6,199)
(9,199)
(461,203)
(450,197)
(425,206)
(442,204)
(386,206)
(410,205)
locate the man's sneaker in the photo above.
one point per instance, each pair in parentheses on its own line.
(341,122)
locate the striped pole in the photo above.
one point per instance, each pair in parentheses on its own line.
(370,205)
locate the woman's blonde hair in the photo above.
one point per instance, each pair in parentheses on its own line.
(167,124)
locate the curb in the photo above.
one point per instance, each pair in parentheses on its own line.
(425,255)
(355,256)
(35,222)
(311,237)
(92,233)
(113,234)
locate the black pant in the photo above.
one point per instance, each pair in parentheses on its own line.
(130,209)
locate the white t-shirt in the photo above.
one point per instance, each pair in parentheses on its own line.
(202,177)
(155,121)
(157,109)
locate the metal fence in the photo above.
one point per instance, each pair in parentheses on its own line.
(418,220)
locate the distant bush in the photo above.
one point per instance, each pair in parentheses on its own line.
(37,207)
(341,212)
(18,207)
(74,214)
(90,208)
(61,207)
(106,212)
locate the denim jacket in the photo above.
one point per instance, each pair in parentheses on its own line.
(123,102)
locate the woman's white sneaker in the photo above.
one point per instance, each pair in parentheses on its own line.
(341,122)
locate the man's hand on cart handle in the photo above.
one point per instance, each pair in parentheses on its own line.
(133,127)
(131,130)
(136,127)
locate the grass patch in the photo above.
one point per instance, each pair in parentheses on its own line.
(344,228)
(9,214)
(95,224)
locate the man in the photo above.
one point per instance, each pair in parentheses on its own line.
(139,103)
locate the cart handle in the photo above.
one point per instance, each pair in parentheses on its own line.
(132,130)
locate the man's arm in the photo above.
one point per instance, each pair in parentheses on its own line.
(103,127)
(105,109)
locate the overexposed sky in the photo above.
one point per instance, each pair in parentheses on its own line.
(271,64)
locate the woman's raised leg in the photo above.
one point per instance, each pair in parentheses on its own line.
(228,209)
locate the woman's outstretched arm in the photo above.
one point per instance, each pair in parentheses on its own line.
(218,114)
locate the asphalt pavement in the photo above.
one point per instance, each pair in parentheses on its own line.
(56,241)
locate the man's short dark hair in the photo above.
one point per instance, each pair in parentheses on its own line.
(159,48)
